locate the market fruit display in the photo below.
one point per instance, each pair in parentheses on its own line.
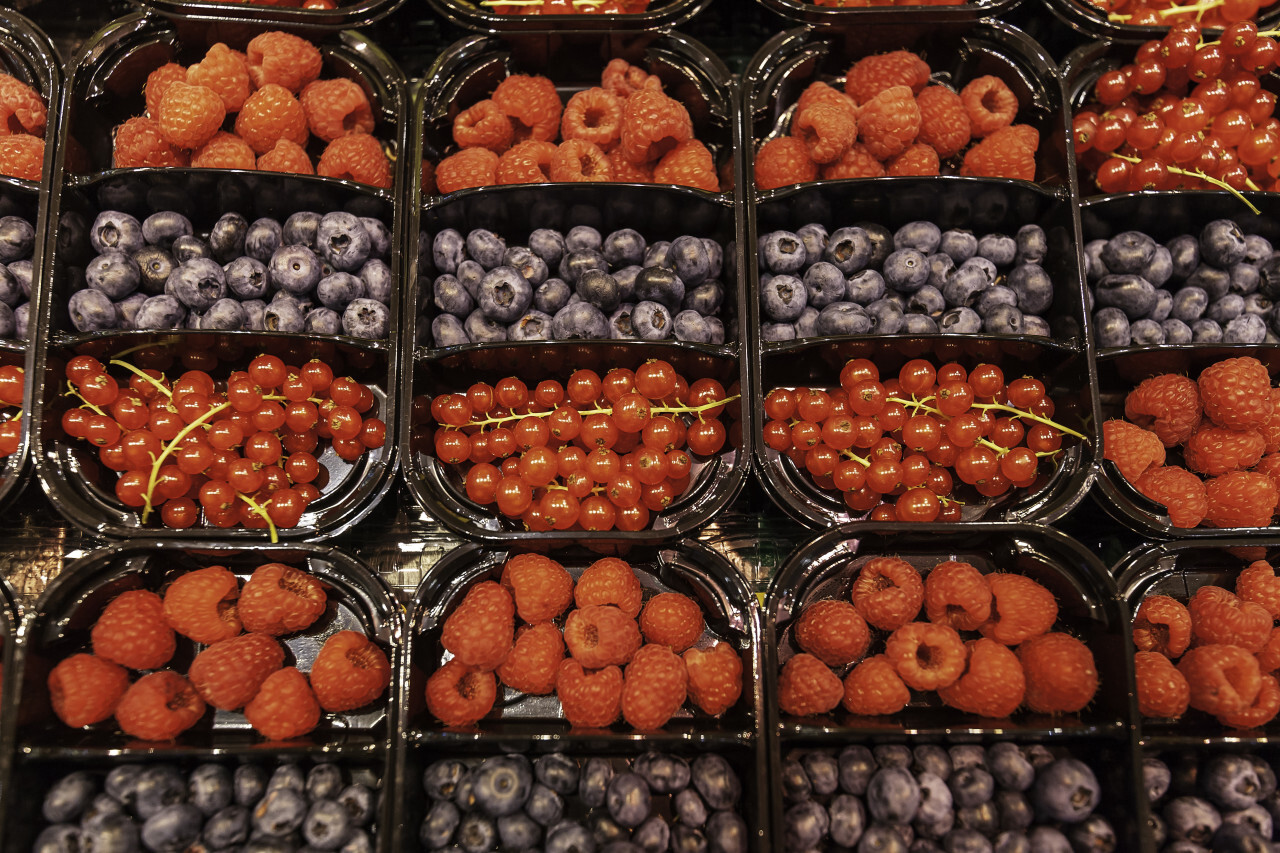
(1203,797)
(24,115)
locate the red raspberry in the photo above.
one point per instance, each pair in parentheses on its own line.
(888,592)
(1168,405)
(470,167)
(1219,616)
(132,631)
(356,157)
(1269,657)
(527,162)
(1262,711)
(873,688)
(1258,583)
(1162,690)
(601,635)
(833,632)
(652,125)
(623,79)
(22,110)
(654,687)
(820,93)
(990,103)
(350,672)
(715,677)
(610,581)
(992,684)
(1008,153)
(201,605)
(482,125)
(589,700)
(159,707)
(807,686)
(1181,492)
(479,632)
(158,82)
(919,159)
(626,172)
(1162,625)
(285,707)
(1020,608)
(532,104)
(689,164)
(224,71)
(672,619)
(1271,428)
(944,122)
(189,115)
(872,75)
(1131,447)
(284,59)
(578,160)
(534,660)
(826,130)
(459,695)
(1240,499)
(1061,675)
(926,655)
(856,163)
(228,674)
(138,144)
(279,599)
(22,156)
(84,689)
(889,122)
(541,588)
(1214,450)
(1236,393)
(337,107)
(224,151)
(1223,679)
(782,161)
(957,594)
(270,114)
(593,115)
(286,156)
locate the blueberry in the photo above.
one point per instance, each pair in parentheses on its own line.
(101,807)
(906,270)
(1222,243)
(984,818)
(162,228)
(920,235)
(338,290)
(1130,293)
(583,238)
(533,326)
(9,321)
(804,825)
(228,827)
(1163,307)
(958,244)
(359,801)
(960,321)
(1014,810)
(1230,781)
(504,295)
(518,832)
(173,828)
(715,328)
(114,833)
(486,247)
(927,300)
(327,825)
(249,783)
(437,827)
(893,796)
(967,755)
(1255,817)
(824,283)
(807,323)
(652,322)
(525,262)
(68,797)
(574,264)
(795,781)
(941,268)
(1009,768)
(853,249)
(156,787)
(1157,830)
(1000,249)
(1246,329)
(210,787)
(447,331)
(357,842)
(814,236)
(689,808)
(774,332)
(659,284)
(1266,776)
(628,799)
(552,295)
(544,805)
(366,318)
(247,278)
(1007,320)
(783,297)
(1216,282)
(1205,331)
(623,247)
(319,321)
(600,289)
(604,829)
(965,288)
(262,239)
(782,252)
(447,250)
(971,786)
(1189,304)
(726,832)
(1128,252)
(301,229)
(112,229)
(620,323)
(115,274)
(189,248)
(594,781)
(652,836)
(1032,243)
(379,237)
(1226,309)
(1238,838)
(993,297)
(450,296)
(664,773)
(983,266)
(626,277)
(464,795)
(284,315)
(22,273)
(580,320)
(865,287)
(1047,839)
(688,256)
(59,838)
(716,781)
(227,237)
(476,833)
(294,269)
(1066,790)
(823,772)
(126,310)
(1160,268)
(548,245)
(1245,279)
(378,280)
(880,838)
(568,837)
(1033,286)
(1191,819)
(707,298)
(936,815)
(692,327)
(280,811)
(931,758)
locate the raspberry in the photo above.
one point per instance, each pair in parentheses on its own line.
(470,167)
(654,687)
(138,144)
(189,115)
(1214,450)
(228,674)
(1240,499)
(224,151)
(610,581)
(833,632)
(990,103)
(992,684)
(926,655)
(715,677)
(1162,689)
(626,172)
(284,59)
(483,125)
(820,93)
(1007,153)
(337,107)
(652,125)
(22,156)
(672,619)
(158,82)
(888,592)
(1258,583)
(532,104)
(590,700)
(479,632)
(601,635)
(872,75)
(919,159)
(623,79)
(286,156)
(1020,608)
(1223,679)
(534,660)
(201,605)
(873,688)
(857,162)
(22,109)
(1262,711)
(1162,625)
(956,594)
(944,122)
(807,686)
(159,706)
(84,689)
(1219,616)
(356,157)
(1131,447)
(279,599)
(527,162)
(578,160)
(1061,675)
(889,122)
(223,70)
(270,114)
(350,672)
(1269,656)
(1168,405)
(689,164)
(1271,428)
(459,695)
(1181,492)
(541,588)
(1236,393)
(132,631)
(826,130)
(285,708)
(782,161)
(593,115)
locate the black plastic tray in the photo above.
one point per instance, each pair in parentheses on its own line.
(807,12)
(350,14)
(1090,21)
(662,15)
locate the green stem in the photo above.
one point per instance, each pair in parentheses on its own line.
(654,410)
(147,376)
(168,449)
(1196,173)
(1032,417)
(72,392)
(863,461)
(260,510)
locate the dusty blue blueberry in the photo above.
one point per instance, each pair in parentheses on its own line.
(366,318)
(194,320)
(358,841)
(1255,817)
(623,247)
(9,322)
(795,781)
(113,833)
(716,330)
(518,832)
(1007,320)
(1230,781)
(227,827)
(628,799)
(262,239)
(852,249)
(906,270)
(447,331)
(804,825)
(197,284)
(378,281)
(1033,286)
(1128,252)
(918,324)
(993,297)
(856,764)
(652,321)
(1094,267)
(475,833)
(280,811)
(1000,249)
(620,323)
(101,807)
(823,771)
(162,228)
(941,268)
(92,311)
(605,829)
(825,284)
(1222,243)
(1215,282)
(983,266)
(984,818)
(447,250)
(544,805)
(338,290)
(707,297)
(600,289)
(886,317)
(321,321)
(971,786)
(665,773)
(1159,269)
(1111,326)
(558,772)
(210,787)
(931,758)
(726,832)
(552,295)
(1132,294)
(1176,331)
(1205,331)
(692,327)
(782,252)
(882,838)
(593,782)
(881,241)
(249,783)
(324,781)
(1245,278)
(486,247)
(469,275)
(438,826)
(300,228)
(360,802)
(716,780)
(1256,248)
(1226,309)
(1009,768)
(626,278)
(294,269)
(921,235)
(58,838)
(582,238)
(688,256)
(22,272)
(379,237)
(865,287)
(1047,839)
(548,245)
(960,245)
(927,300)
(1189,304)
(327,825)
(1163,307)
(689,808)
(1266,776)
(574,264)
(814,236)
(114,273)
(1033,244)
(247,278)
(652,836)
(255,311)
(807,323)
(112,229)
(966,841)
(893,796)
(783,298)
(844,318)
(227,236)
(172,828)
(584,321)
(1066,790)
(1191,819)
(68,797)
(659,284)
(846,819)
(960,320)
(935,817)
(525,262)
(1184,255)
(533,326)
(1014,809)
(188,248)
(284,315)
(504,294)
(342,241)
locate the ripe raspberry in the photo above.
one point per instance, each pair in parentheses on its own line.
(782,161)
(470,167)
(189,115)
(1162,625)
(350,672)
(873,688)
(1223,679)
(1008,153)
(541,588)
(857,162)
(990,103)
(270,114)
(1271,428)
(626,172)
(138,144)
(888,592)
(1258,583)
(652,125)
(1214,450)
(672,619)
(224,151)
(534,660)
(926,655)
(84,689)
(826,130)
(593,115)
(1061,675)
(1181,492)
(944,122)
(992,684)
(284,59)
(1240,499)
(1219,616)
(22,110)
(820,93)
(285,708)
(1262,711)
(224,71)
(589,700)
(654,687)
(872,75)
(527,162)
(159,706)
(22,156)
(1131,447)
(158,82)
(889,122)
(459,695)
(610,581)
(1269,656)
(337,107)
(279,599)
(622,79)
(919,159)
(288,157)
(1162,690)
(1168,405)
(833,632)
(228,674)
(957,594)
(1236,393)
(601,635)
(532,104)
(201,605)
(1020,608)
(807,686)
(689,164)
(132,631)
(482,125)
(578,160)
(715,677)
(356,157)
(479,631)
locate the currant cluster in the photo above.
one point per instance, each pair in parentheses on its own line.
(591,453)
(895,448)
(1210,14)
(1186,113)
(13,380)
(238,452)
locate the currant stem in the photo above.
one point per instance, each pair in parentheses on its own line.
(999,451)
(168,449)
(261,510)
(147,376)
(608,410)
(72,392)
(923,404)
(849,454)
(1196,173)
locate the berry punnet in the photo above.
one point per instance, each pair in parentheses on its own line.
(1228,799)
(23,113)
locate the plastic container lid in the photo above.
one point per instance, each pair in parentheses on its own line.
(349,14)
(661,15)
